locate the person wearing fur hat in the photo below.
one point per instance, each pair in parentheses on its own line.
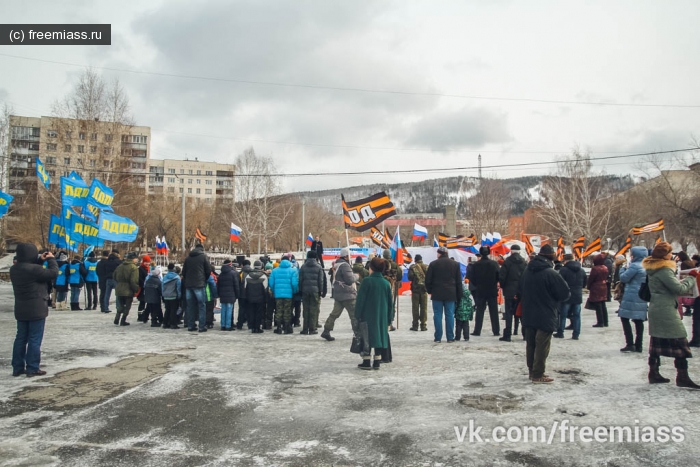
(344,294)
(144,270)
(76,274)
(668,335)
(153,295)
(61,283)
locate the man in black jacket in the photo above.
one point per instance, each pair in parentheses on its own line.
(317,246)
(195,273)
(312,287)
(113,262)
(102,278)
(483,281)
(444,282)
(29,279)
(509,277)
(575,277)
(542,289)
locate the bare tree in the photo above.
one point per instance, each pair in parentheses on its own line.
(490,206)
(576,201)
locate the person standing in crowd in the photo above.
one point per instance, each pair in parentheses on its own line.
(375,309)
(610,266)
(393,274)
(144,271)
(171,297)
(668,335)
(113,262)
(102,278)
(29,284)
(483,278)
(153,295)
(256,294)
(419,294)
(509,278)
(127,277)
(284,283)
(575,277)
(76,275)
(686,263)
(91,280)
(229,289)
(597,280)
(242,301)
(360,271)
(632,307)
(62,280)
(195,273)
(269,316)
(443,281)
(464,313)
(312,286)
(211,294)
(296,299)
(542,289)
(317,246)
(344,294)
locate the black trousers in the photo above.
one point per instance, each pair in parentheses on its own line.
(696,321)
(210,312)
(601,313)
(255,315)
(242,313)
(510,317)
(387,357)
(170,317)
(481,303)
(91,288)
(461,329)
(638,329)
(103,286)
(156,312)
(269,312)
(297,312)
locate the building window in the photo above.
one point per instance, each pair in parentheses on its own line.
(69,134)
(93,162)
(181,190)
(182,180)
(207,200)
(107,164)
(182,171)
(108,138)
(33,146)
(190,173)
(107,151)
(66,160)
(51,147)
(209,173)
(171,189)
(138,139)
(199,191)
(52,173)
(80,162)
(199,182)
(93,137)
(189,190)
(171,179)
(93,149)
(189,180)
(199,172)
(52,133)
(207,191)
(68,148)
(81,135)
(66,173)
(208,182)
(50,160)
(81,148)
(171,171)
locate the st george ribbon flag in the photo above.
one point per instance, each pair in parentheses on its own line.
(366,213)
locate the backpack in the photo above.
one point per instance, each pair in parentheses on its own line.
(418,282)
(644,292)
(390,274)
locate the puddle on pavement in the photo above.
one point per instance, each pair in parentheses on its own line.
(494,403)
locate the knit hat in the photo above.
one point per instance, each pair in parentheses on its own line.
(485,250)
(386,254)
(547,251)
(419,258)
(311,254)
(146,259)
(268,267)
(358,259)
(156,271)
(227,261)
(442,250)
(515,247)
(661,250)
(132,255)
(345,252)
(568,257)
(257,265)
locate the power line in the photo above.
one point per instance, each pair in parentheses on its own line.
(354,89)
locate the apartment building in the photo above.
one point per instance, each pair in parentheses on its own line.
(109,151)
(206,182)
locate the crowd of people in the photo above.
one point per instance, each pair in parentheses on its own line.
(539,294)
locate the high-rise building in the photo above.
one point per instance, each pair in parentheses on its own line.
(204,181)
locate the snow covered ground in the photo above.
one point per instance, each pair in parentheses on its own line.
(151,397)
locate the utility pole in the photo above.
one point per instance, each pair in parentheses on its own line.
(479,166)
(303,225)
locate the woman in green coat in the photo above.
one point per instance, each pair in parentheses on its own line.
(668,335)
(374,309)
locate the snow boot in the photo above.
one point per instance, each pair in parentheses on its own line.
(682,378)
(288,329)
(278,329)
(366,364)
(116,318)
(377,362)
(654,375)
(327,335)
(123,321)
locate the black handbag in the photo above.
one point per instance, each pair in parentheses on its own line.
(356,346)
(360,343)
(644,292)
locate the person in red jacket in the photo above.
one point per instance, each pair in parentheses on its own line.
(598,289)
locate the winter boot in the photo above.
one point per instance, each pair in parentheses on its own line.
(278,329)
(116,318)
(638,343)
(628,348)
(377,362)
(366,364)
(288,329)
(654,375)
(327,335)
(123,321)
(682,378)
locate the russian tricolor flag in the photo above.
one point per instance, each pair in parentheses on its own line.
(419,232)
(435,242)
(235,233)
(309,240)
(395,248)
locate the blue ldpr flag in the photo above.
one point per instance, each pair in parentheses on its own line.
(42,173)
(73,192)
(100,194)
(5,201)
(116,228)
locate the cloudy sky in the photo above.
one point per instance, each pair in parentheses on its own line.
(460,78)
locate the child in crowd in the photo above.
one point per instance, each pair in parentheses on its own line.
(464,313)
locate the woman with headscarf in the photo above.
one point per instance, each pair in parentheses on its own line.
(597,286)
(373,309)
(632,307)
(668,335)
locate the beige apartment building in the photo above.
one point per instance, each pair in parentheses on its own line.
(203,181)
(109,151)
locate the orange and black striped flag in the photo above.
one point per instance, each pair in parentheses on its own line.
(199,235)
(529,249)
(625,248)
(658,240)
(407,257)
(592,247)
(458,241)
(560,249)
(379,238)
(653,227)
(365,213)
(577,247)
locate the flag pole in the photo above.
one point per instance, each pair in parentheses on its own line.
(347,238)
(663,232)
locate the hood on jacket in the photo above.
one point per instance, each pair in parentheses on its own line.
(171,275)
(638,253)
(247,268)
(599,260)
(515,258)
(285,264)
(27,253)
(573,265)
(197,251)
(538,263)
(226,268)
